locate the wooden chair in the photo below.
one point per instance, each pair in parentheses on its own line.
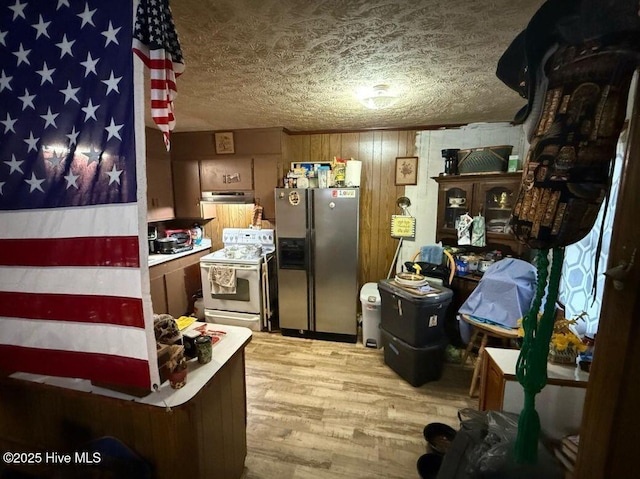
(482,332)
(450,263)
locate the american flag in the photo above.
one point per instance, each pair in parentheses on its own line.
(156,43)
(71,294)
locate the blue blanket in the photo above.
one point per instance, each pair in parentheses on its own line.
(431,254)
(503,295)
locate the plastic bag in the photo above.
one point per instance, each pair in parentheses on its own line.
(493,435)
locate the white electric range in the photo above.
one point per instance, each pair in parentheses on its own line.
(239,286)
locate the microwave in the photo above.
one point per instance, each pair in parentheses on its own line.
(183,237)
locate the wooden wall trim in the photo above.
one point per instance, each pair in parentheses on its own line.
(363,130)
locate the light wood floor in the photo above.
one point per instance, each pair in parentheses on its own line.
(320,409)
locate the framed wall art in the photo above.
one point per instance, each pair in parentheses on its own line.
(406,170)
(224,143)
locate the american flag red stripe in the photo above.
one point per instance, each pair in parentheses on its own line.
(120,251)
(99,367)
(120,311)
(160,85)
(157,63)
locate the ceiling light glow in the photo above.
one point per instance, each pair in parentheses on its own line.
(378,97)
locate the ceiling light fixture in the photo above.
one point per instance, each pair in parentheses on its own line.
(379,97)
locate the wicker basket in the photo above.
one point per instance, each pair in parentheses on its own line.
(566,356)
(489,159)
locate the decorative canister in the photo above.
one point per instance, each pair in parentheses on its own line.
(203,349)
(472,262)
(562,356)
(462,266)
(178,379)
(196,234)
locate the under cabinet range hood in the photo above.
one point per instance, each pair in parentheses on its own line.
(231,197)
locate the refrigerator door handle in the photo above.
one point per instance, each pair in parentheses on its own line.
(311,245)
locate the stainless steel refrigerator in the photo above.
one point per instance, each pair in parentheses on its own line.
(317,251)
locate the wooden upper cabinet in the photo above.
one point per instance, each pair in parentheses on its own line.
(227,175)
(159,182)
(199,145)
(265,178)
(256,165)
(489,195)
(186,188)
(187,192)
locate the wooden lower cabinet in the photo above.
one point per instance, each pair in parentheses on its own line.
(158,293)
(174,283)
(559,404)
(202,438)
(491,385)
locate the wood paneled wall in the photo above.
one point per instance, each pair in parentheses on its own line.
(378,151)
(229,216)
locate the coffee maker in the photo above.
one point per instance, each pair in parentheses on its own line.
(450,156)
(152,235)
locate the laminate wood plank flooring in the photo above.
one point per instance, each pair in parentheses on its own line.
(323,409)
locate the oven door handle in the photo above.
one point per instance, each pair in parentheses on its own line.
(239,267)
(266,300)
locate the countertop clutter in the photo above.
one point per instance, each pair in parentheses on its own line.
(156,259)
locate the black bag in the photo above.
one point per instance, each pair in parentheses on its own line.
(431,270)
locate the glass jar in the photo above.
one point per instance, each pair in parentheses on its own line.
(339,173)
(203,349)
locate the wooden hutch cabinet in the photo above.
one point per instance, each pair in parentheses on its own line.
(491,195)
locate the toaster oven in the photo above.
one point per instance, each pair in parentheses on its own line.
(182,237)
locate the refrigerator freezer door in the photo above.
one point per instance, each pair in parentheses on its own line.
(293,253)
(291,212)
(292,299)
(334,240)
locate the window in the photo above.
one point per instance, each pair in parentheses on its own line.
(576,285)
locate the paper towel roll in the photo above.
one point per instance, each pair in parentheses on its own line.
(352,175)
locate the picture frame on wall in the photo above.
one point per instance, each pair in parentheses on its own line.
(224,143)
(406,170)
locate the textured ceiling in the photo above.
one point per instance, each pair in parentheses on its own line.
(298,64)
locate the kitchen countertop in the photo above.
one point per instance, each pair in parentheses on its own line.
(506,360)
(156,259)
(198,375)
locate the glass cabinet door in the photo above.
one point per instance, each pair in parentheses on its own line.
(456,202)
(496,204)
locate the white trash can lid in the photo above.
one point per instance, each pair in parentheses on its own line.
(370,294)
